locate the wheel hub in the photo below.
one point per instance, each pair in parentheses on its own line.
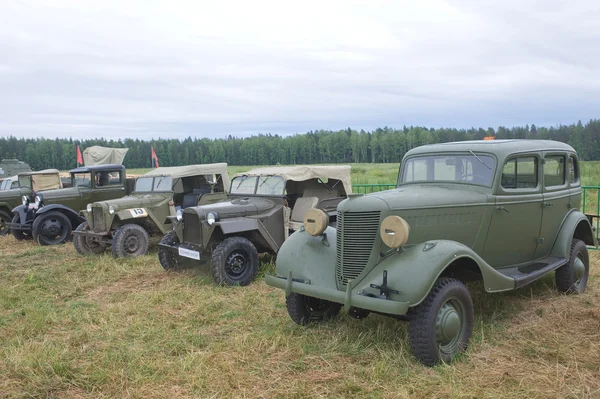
(236,263)
(51,228)
(579,268)
(131,244)
(448,324)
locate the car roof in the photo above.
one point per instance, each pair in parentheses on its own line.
(95,168)
(40,172)
(194,170)
(502,148)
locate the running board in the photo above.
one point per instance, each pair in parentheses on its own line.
(524,275)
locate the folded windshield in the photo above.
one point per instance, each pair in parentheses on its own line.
(471,168)
(151,183)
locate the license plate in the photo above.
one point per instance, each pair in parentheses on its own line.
(188,253)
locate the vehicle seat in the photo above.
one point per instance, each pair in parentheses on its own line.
(302,205)
(192,199)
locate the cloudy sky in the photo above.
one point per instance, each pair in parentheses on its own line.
(181,68)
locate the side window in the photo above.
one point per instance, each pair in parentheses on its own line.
(573,170)
(554,170)
(104,179)
(520,173)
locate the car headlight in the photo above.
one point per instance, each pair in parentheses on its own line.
(394,231)
(111,209)
(88,208)
(211,218)
(179,215)
(315,222)
(25,200)
(38,200)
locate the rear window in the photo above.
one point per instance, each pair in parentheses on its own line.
(520,172)
(554,170)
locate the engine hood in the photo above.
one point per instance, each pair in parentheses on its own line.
(10,194)
(235,207)
(61,193)
(135,200)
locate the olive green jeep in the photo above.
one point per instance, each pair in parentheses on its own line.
(14,195)
(50,216)
(126,224)
(265,205)
(505,212)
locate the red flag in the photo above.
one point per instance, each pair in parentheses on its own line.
(155,159)
(79,158)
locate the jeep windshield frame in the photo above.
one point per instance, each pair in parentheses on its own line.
(265,186)
(457,168)
(151,184)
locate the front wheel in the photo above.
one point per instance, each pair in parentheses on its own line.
(51,228)
(19,234)
(305,310)
(235,262)
(572,278)
(86,245)
(440,327)
(169,260)
(130,240)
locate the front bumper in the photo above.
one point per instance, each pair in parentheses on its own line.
(184,250)
(19,226)
(347,298)
(91,233)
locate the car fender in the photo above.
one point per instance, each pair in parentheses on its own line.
(242,225)
(139,216)
(73,216)
(575,225)
(21,210)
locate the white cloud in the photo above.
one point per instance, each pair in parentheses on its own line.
(159,68)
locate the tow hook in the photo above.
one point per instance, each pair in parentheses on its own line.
(384,290)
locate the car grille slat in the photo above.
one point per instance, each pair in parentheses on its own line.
(98,219)
(191,228)
(356,235)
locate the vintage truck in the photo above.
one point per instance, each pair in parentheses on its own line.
(50,216)
(126,224)
(505,212)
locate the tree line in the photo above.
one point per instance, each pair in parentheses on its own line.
(321,146)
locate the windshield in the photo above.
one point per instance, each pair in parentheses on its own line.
(243,185)
(473,169)
(5,184)
(158,183)
(25,181)
(81,180)
(270,185)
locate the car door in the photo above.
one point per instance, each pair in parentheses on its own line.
(557,200)
(517,215)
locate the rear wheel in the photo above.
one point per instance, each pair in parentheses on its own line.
(4,219)
(130,240)
(235,262)
(305,310)
(87,245)
(19,234)
(440,327)
(572,278)
(51,228)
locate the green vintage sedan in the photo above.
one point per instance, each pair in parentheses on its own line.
(505,212)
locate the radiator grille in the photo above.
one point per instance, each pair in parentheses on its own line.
(356,234)
(98,219)
(191,228)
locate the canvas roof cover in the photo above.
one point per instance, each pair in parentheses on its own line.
(194,170)
(48,179)
(97,155)
(306,172)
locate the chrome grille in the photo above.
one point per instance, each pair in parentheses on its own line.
(191,228)
(98,219)
(356,234)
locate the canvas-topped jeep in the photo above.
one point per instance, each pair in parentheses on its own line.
(265,205)
(126,224)
(50,216)
(27,182)
(505,212)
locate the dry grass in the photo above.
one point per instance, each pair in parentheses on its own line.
(76,327)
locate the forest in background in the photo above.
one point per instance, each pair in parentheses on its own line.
(322,146)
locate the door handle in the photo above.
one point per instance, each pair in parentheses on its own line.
(501,208)
(548,204)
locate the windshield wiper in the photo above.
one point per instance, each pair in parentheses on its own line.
(479,159)
(241,181)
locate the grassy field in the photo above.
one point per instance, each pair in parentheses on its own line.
(75,327)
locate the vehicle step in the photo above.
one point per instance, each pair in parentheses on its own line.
(526,274)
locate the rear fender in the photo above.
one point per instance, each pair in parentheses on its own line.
(575,225)
(73,216)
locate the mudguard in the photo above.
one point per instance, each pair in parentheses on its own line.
(575,225)
(310,262)
(21,210)
(239,225)
(73,216)
(136,215)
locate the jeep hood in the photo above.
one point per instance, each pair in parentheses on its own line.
(238,207)
(135,200)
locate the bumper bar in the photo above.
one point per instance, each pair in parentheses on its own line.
(19,226)
(346,298)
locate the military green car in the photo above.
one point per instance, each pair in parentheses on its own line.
(27,182)
(265,205)
(50,216)
(127,223)
(505,212)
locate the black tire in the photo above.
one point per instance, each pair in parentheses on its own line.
(4,218)
(86,245)
(305,310)
(51,228)
(358,313)
(572,278)
(432,342)
(235,262)
(130,240)
(169,260)
(19,234)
